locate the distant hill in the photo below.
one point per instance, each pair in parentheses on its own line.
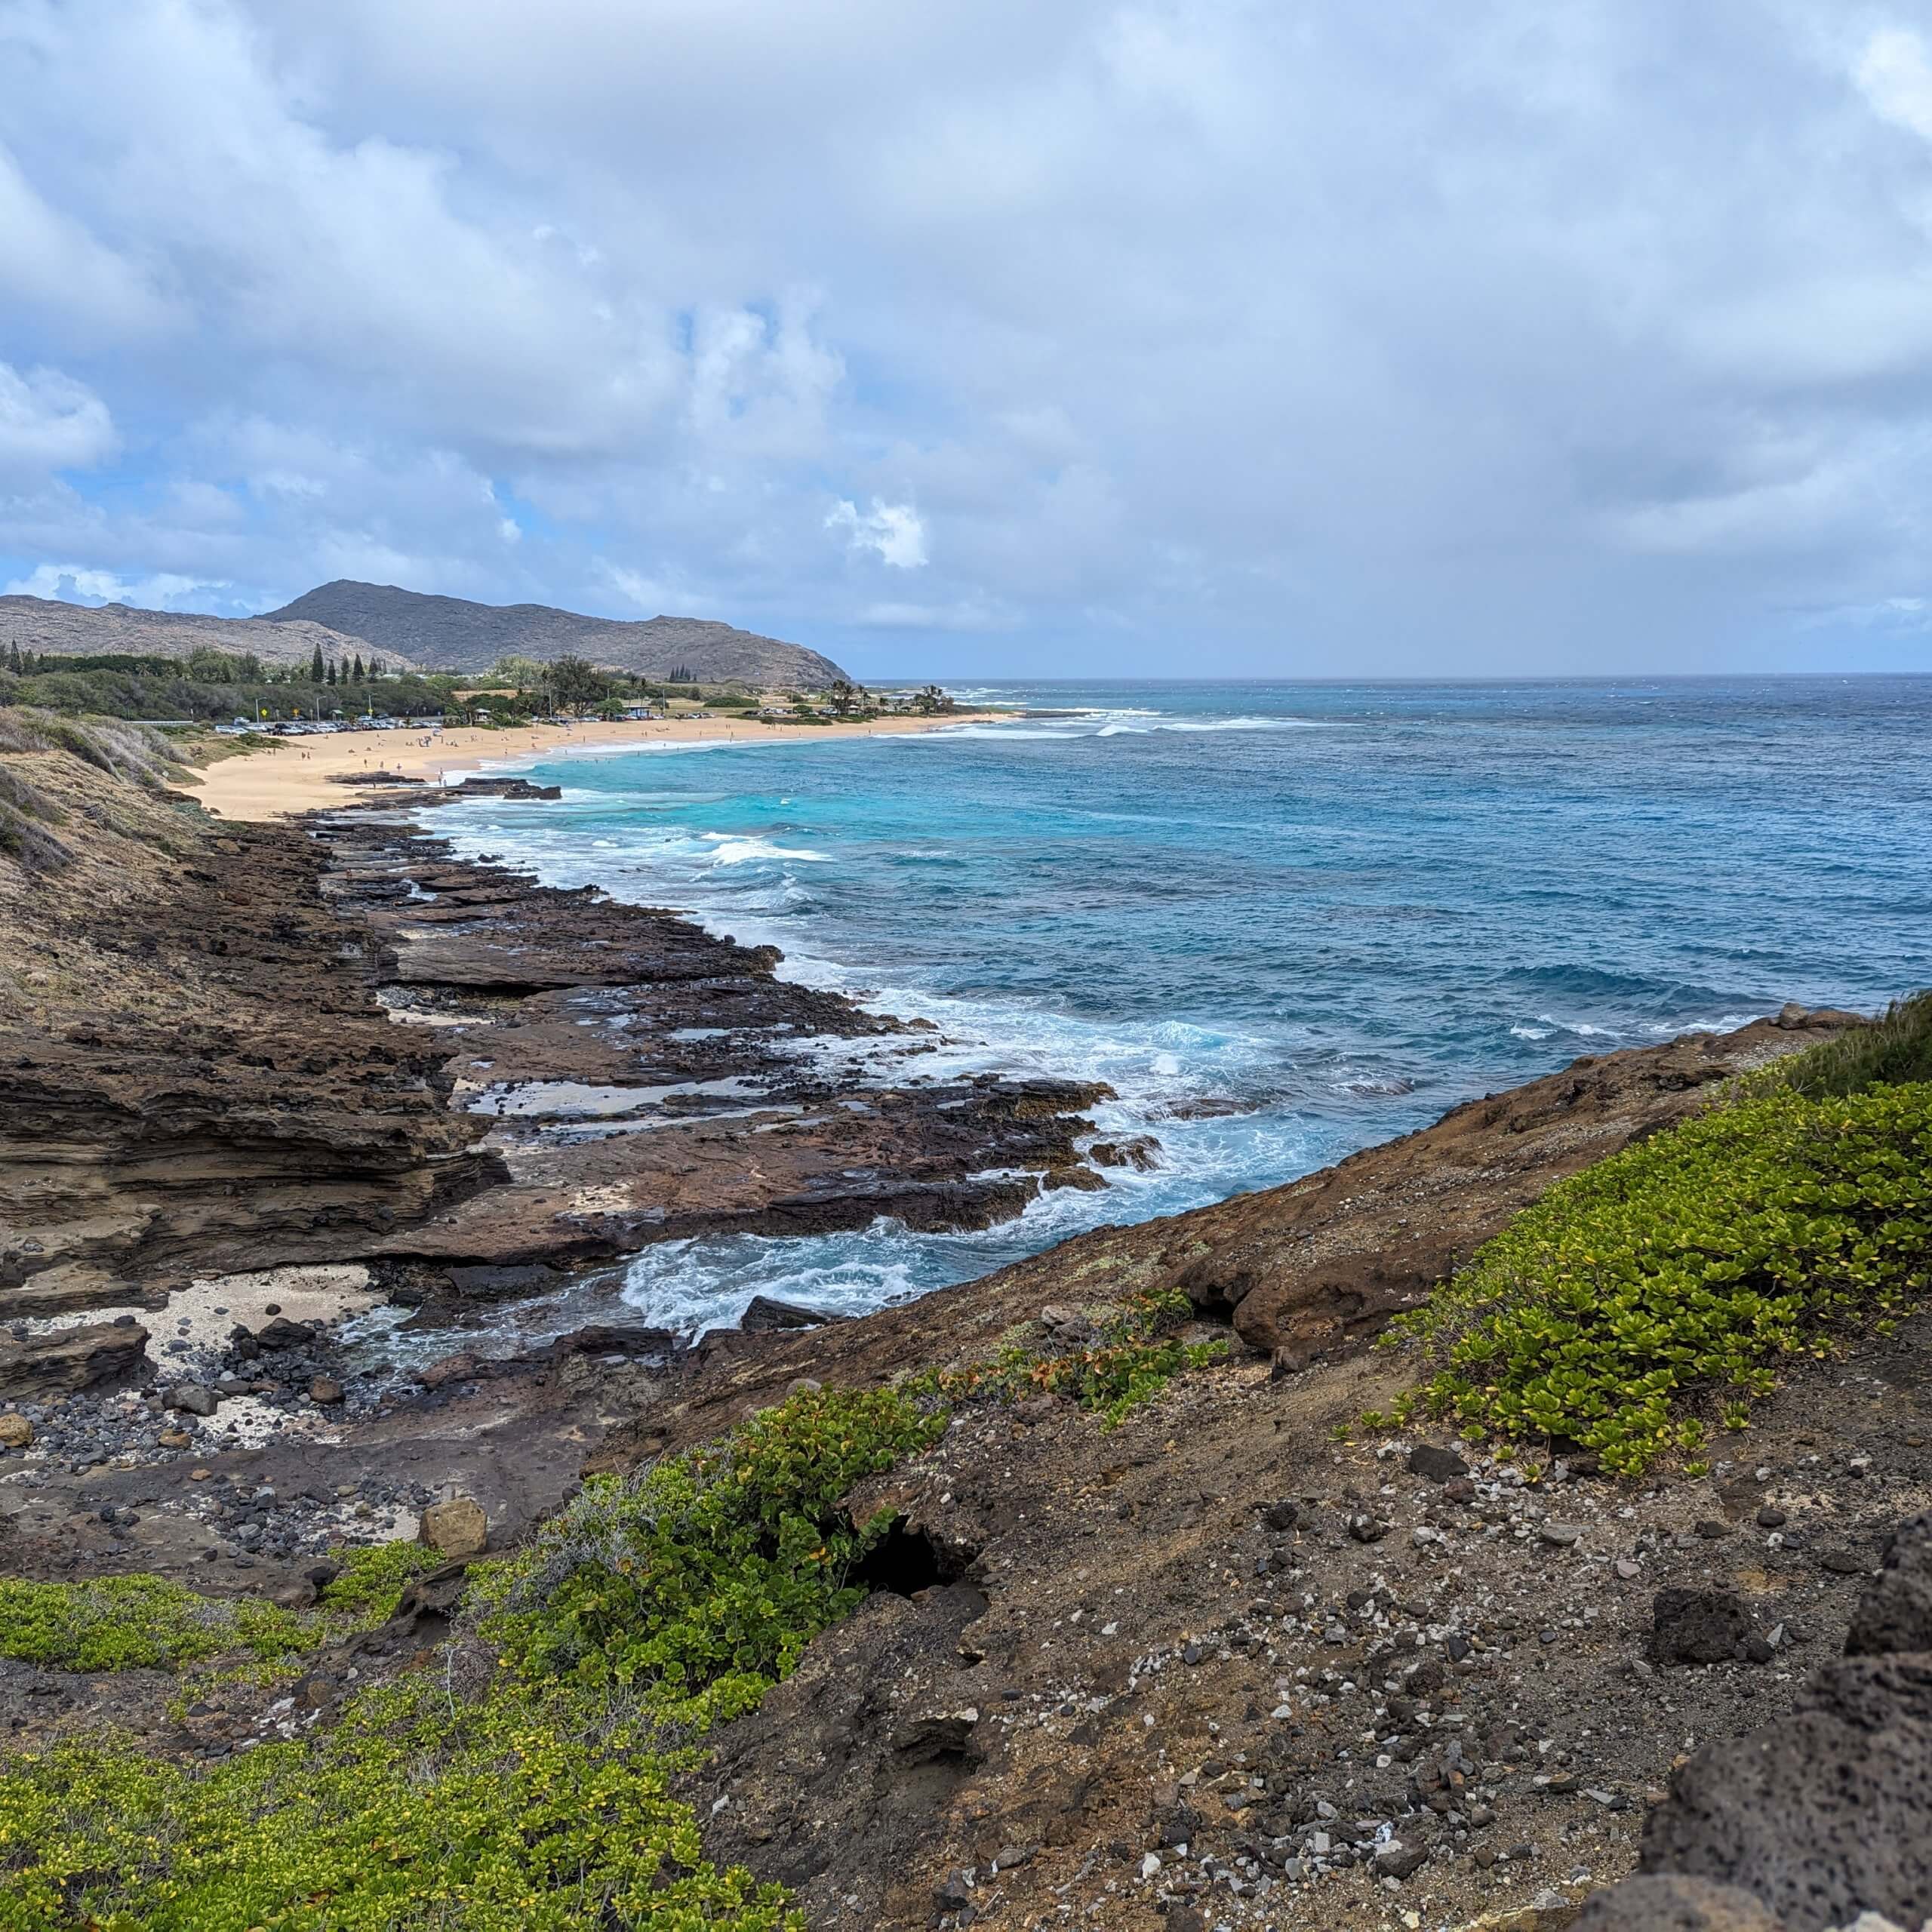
(75,630)
(449,633)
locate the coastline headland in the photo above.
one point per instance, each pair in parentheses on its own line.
(321,1152)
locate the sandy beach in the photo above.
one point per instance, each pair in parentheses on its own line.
(300,774)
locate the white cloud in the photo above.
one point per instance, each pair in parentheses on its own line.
(967,615)
(49,422)
(1895,72)
(77,583)
(1416,337)
(893,530)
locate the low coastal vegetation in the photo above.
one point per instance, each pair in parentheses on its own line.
(1128,1360)
(1675,1277)
(30,817)
(698,1583)
(129,1623)
(527,1781)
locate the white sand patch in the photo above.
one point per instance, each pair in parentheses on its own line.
(213,1305)
(247,1422)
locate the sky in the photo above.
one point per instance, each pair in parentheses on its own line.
(992,337)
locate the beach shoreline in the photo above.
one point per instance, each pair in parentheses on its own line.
(296,775)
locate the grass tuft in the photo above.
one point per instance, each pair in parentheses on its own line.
(1894,1050)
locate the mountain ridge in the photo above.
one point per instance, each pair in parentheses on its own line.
(454,633)
(87,630)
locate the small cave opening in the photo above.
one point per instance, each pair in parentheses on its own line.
(909,1559)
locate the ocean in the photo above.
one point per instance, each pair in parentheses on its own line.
(1282,921)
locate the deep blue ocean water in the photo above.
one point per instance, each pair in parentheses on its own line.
(1283,921)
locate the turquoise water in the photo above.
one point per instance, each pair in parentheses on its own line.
(1282,921)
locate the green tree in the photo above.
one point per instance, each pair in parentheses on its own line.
(577,684)
(316,666)
(520,674)
(13,657)
(331,671)
(356,674)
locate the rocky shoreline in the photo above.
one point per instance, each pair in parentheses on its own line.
(320,1156)
(313,1136)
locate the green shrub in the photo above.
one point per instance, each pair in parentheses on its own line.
(1135,1357)
(370,1584)
(703,1580)
(1689,1264)
(124,1623)
(1894,1050)
(518,1809)
(539,1800)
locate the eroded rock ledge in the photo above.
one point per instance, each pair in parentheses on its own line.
(235,1049)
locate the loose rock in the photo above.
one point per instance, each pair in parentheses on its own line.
(456,1528)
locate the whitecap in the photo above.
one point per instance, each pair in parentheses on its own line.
(728,849)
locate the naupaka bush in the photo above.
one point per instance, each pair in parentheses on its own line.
(524,1785)
(1688,1265)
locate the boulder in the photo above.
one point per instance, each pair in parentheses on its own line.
(501,1283)
(16,1432)
(1668,1903)
(326,1391)
(1698,1626)
(456,1528)
(1434,1465)
(1396,1859)
(190,1398)
(766,1313)
(601,1338)
(65,1359)
(1141,1152)
(1894,1614)
(281,1333)
(1824,1814)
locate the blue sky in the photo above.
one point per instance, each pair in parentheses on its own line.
(991,338)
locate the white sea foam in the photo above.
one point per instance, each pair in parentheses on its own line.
(1005,734)
(1114,729)
(742,886)
(730,849)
